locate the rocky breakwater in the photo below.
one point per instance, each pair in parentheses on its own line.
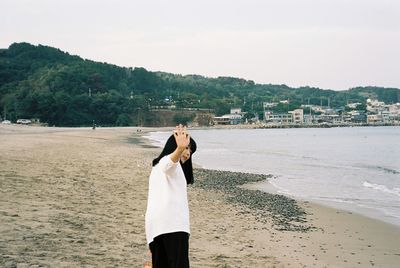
(283,212)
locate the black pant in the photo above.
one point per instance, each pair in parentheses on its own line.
(170,250)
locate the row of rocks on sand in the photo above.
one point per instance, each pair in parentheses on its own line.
(283,212)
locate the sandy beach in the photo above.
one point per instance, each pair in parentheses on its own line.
(77,198)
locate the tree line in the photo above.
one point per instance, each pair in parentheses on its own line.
(65,90)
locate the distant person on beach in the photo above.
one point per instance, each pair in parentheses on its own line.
(167,215)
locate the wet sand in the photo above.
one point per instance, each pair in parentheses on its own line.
(77,198)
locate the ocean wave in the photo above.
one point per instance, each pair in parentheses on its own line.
(382,188)
(334,199)
(388,170)
(381,168)
(279,189)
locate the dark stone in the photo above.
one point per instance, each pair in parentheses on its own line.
(285,213)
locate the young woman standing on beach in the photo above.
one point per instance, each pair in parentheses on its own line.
(167,214)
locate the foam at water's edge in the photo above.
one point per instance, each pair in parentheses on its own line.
(382,188)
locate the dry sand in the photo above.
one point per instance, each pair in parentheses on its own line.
(77,198)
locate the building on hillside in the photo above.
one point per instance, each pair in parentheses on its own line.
(269,105)
(317,109)
(381,113)
(353,105)
(236,111)
(376,107)
(374,103)
(297,116)
(394,108)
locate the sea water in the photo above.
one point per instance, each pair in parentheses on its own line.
(353,168)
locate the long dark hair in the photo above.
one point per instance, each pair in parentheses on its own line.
(170,147)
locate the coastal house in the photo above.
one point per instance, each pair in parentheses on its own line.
(381,113)
(279,118)
(308,119)
(221,120)
(234,118)
(381,118)
(297,116)
(374,119)
(292,117)
(329,119)
(354,116)
(386,117)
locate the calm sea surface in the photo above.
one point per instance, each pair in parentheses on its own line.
(354,168)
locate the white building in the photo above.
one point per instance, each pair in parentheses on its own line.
(381,113)
(281,118)
(222,120)
(268,105)
(234,118)
(297,116)
(308,119)
(236,111)
(353,105)
(374,103)
(277,118)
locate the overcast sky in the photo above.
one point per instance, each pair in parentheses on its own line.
(331,44)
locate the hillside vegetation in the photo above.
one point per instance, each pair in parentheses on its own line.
(65,90)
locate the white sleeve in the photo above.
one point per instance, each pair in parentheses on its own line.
(167,165)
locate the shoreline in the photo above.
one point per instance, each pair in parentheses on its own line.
(76,197)
(370,213)
(283,212)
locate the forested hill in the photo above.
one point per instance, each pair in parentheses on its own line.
(65,90)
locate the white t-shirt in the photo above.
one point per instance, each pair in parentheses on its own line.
(167,203)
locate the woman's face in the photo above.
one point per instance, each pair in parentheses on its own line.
(185,155)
